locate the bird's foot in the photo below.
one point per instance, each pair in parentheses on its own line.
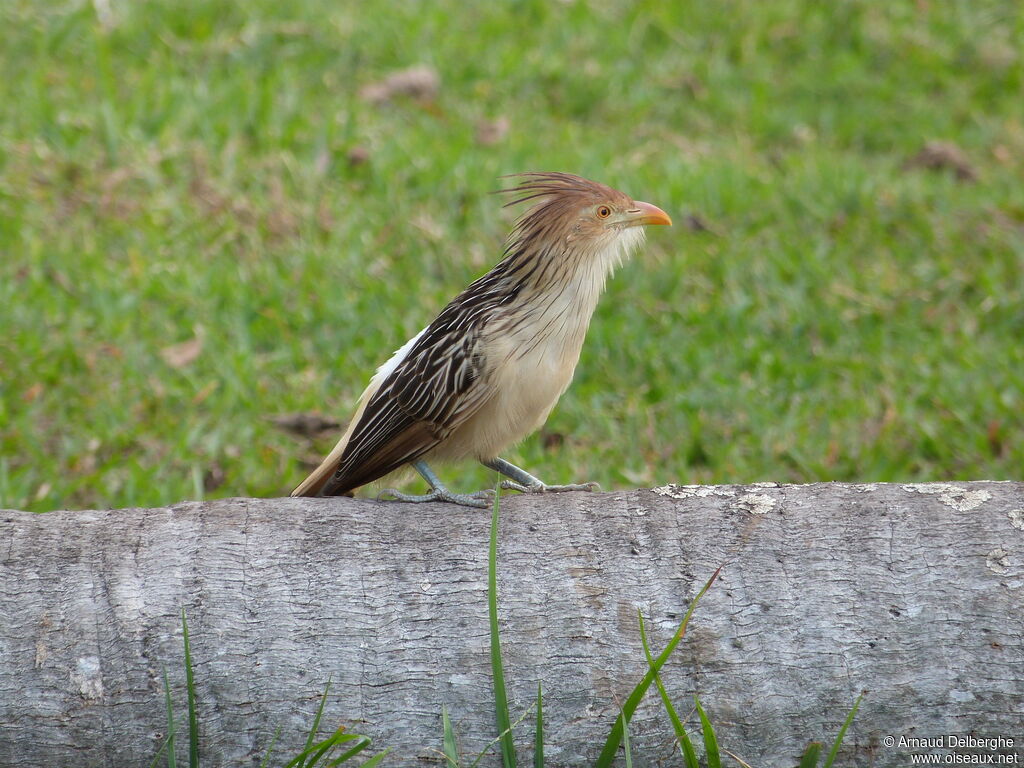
(524,482)
(539,487)
(480,499)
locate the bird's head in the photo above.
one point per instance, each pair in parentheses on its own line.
(575,215)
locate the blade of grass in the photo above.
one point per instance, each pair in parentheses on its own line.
(345,756)
(611,745)
(315,729)
(451,751)
(625,741)
(159,752)
(811,755)
(170,721)
(314,752)
(538,742)
(710,742)
(743,763)
(375,760)
(168,742)
(270,748)
(324,748)
(685,745)
(498,738)
(190,688)
(842,734)
(508,750)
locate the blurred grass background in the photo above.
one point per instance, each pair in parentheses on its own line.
(204,225)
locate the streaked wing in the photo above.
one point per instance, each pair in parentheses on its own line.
(440,383)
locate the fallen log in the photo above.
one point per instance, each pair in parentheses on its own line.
(912,593)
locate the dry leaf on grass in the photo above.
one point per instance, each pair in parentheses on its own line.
(552,440)
(420,83)
(357,155)
(942,155)
(183,354)
(214,477)
(490,132)
(697,223)
(308,424)
(32,394)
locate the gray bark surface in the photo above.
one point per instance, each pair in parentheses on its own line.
(913,593)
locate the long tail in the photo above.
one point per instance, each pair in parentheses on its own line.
(319,478)
(319,482)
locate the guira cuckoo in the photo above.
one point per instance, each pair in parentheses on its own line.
(488,370)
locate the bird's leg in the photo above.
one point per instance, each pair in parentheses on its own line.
(438,491)
(524,482)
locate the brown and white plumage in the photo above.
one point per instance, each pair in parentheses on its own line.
(489,369)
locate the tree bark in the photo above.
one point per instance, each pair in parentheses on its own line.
(912,593)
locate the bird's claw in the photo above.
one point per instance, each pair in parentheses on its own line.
(511,485)
(480,499)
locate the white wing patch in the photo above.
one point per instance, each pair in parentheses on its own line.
(395,360)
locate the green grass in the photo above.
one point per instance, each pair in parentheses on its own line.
(180,170)
(502,719)
(618,735)
(322,752)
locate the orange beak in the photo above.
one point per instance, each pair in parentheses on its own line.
(645,213)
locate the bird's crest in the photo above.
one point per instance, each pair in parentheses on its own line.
(562,185)
(560,198)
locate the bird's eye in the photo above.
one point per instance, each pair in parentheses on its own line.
(604,212)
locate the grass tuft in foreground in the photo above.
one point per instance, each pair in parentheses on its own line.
(337,748)
(619,733)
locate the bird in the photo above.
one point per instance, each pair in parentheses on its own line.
(487,371)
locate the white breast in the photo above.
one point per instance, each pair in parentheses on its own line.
(534,361)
